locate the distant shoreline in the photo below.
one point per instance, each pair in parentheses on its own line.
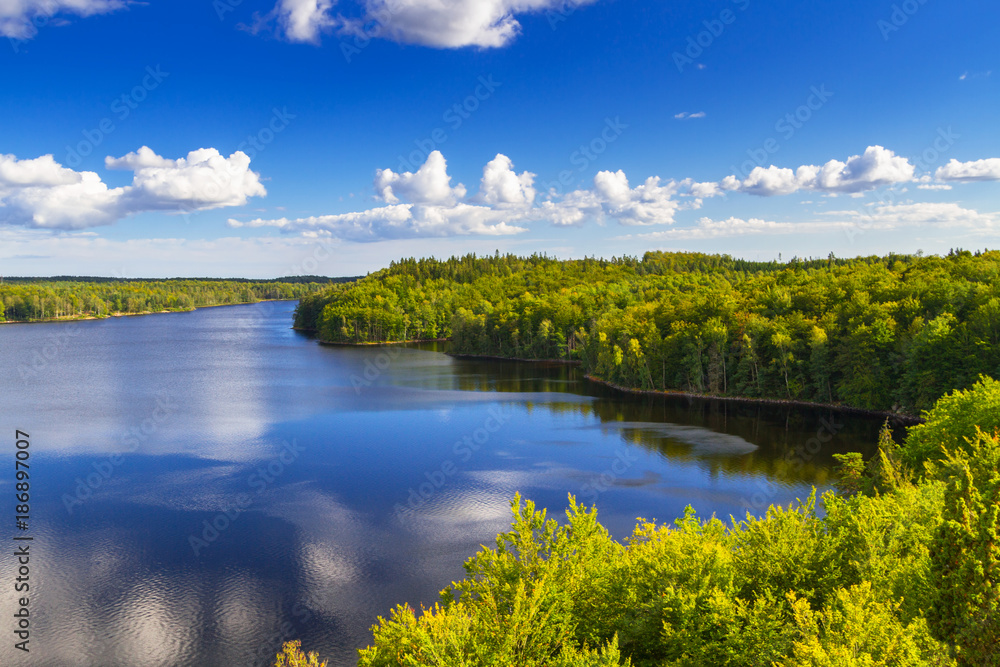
(382,344)
(901,419)
(84,318)
(565,362)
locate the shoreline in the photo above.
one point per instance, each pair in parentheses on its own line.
(85,318)
(899,419)
(383,344)
(492,357)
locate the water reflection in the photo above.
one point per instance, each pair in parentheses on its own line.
(196,547)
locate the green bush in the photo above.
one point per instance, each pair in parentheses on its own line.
(966,560)
(292,656)
(953,421)
(788,588)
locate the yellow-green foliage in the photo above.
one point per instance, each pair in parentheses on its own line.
(953,421)
(873,332)
(966,560)
(292,656)
(25,300)
(786,588)
(857,629)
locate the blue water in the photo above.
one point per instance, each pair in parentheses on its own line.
(206,485)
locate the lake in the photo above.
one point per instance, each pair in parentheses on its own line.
(206,485)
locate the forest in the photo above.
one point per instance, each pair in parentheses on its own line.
(890,333)
(66,297)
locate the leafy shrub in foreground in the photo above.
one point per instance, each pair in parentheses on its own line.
(791,588)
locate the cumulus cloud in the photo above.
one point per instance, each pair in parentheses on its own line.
(438,24)
(425,204)
(876,167)
(398,221)
(431,184)
(19,18)
(979,170)
(432,206)
(501,186)
(298,20)
(42,193)
(647,204)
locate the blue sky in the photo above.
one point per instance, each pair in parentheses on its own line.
(263,138)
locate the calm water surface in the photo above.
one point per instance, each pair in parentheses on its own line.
(207,484)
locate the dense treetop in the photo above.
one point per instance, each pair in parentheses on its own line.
(882,333)
(33,299)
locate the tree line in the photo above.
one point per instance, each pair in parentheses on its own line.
(889,333)
(37,299)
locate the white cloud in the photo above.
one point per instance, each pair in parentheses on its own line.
(299,20)
(684,115)
(424,204)
(706,228)
(431,184)
(881,217)
(42,193)
(769,182)
(647,204)
(933,186)
(501,186)
(398,221)
(613,197)
(941,214)
(438,23)
(876,167)
(979,170)
(433,208)
(19,18)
